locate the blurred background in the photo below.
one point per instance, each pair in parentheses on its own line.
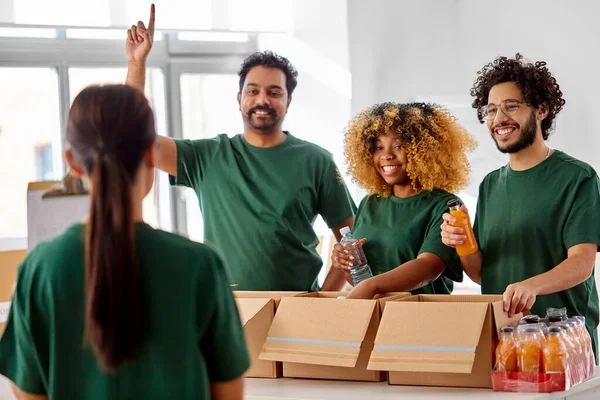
(350,54)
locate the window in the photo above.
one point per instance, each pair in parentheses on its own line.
(208,107)
(62,12)
(174,14)
(171,14)
(28,33)
(30,140)
(260,15)
(45,167)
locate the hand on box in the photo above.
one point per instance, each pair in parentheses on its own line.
(341,259)
(519,297)
(364,290)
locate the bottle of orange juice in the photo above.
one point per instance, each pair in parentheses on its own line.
(506,351)
(463,221)
(556,358)
(529,350)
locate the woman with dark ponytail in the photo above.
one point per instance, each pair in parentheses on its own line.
(112,308)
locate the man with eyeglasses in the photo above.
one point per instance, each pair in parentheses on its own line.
(538,217)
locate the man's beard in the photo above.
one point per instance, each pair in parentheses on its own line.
(264,125)
(526,138)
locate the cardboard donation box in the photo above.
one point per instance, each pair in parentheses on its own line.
(439,340)
(319,336)
(51,211)
(257,310)
(9,263)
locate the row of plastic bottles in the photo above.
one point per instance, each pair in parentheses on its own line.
(555,344)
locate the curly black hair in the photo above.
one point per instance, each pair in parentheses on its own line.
(271,60)
(536,82)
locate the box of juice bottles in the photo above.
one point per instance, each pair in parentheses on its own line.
(543,355)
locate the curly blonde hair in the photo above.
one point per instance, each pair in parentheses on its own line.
(436,146)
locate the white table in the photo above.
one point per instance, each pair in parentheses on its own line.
(304,389)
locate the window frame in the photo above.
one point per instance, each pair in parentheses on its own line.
(171,55)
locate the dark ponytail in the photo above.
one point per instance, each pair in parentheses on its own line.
(113,282)
(110,129)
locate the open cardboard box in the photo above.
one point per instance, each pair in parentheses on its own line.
(9,263)
(256,294)
(318,336)
(440,340)
(257,310)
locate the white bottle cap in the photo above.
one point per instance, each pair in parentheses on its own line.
(344,230)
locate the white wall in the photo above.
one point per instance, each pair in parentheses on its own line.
(432,49)
(317,45)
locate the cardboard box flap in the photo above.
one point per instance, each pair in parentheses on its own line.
(277,296)
(248,308)
(41,185)
(253,294)
(322,331)
(501,318)
(9,264)
(428,337)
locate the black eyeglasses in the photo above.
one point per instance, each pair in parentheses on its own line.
(509,107)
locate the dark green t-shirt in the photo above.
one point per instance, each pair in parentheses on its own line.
(259,205)
(193,336)
(399,229)
(527,220)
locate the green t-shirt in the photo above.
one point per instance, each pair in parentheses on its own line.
(527,220)
(399,229)
(259,205)
(193,337)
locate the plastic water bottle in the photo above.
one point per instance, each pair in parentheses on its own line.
(360,270)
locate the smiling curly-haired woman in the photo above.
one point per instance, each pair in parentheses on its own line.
(409,158)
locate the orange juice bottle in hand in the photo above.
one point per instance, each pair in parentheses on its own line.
(529,350)
(556,357)
(463,221)
(506,351)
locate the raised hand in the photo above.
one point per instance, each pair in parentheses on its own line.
(140,40)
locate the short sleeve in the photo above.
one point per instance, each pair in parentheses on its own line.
(223,343)
(583,219)
(334,202)
(432,243)
(194,158)
(19,355)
